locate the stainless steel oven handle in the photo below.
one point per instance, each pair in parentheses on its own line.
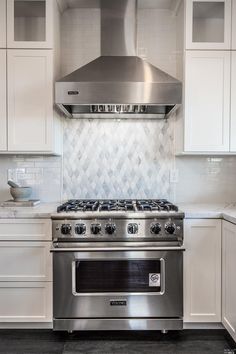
(163,276)
(97,249)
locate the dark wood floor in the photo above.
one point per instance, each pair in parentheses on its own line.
(184,342)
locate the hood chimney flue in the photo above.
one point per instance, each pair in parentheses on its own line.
(118,27)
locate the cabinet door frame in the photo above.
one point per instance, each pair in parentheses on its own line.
(189,44)
(3,99)
(214,226)
(47,44)
(233,103)
(48,143)
(3,24)
(225,129)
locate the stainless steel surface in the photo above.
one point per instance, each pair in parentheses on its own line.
(114,246)
(106,324)
(118,77)
(121,233)
(120,260)
(118,27)
(167,305)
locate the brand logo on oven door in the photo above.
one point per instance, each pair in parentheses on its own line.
(154,279)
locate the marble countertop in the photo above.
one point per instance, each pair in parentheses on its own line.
(41,211)
(225,211)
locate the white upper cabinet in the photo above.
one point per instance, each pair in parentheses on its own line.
(30,97)
(208,24)
(3,23)
(234,24)
(202,271)
(29,23)
(3,99)
(228,278)
(207,101)
(233,104)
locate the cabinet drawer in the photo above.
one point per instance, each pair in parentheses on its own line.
(25,229)
(25,261)
(25,302)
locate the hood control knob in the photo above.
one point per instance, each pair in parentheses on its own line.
(96,228)
(110,228)
(65,229)
(155,228)
(80,229)
(170,228)
(132,228)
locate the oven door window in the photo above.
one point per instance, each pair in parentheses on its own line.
(136,276)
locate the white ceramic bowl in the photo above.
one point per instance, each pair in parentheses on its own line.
(21,194)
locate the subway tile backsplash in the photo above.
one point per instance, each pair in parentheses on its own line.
(42,173)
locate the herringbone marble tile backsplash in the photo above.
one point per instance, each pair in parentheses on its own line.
(117,159)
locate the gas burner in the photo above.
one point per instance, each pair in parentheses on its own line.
(117,205)
(79,205)
(155,205)
(125,205)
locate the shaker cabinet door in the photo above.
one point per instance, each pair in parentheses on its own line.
(3,23)
(30,24)
(228,278)
(3,99)
(208,24)
(30,100)
(202,271)
(233,104)
(207,101)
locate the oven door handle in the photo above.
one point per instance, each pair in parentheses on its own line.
(110,249)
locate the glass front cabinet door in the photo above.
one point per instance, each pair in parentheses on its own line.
(29,23)
(208,24)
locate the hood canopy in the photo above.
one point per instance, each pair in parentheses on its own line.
(118,82)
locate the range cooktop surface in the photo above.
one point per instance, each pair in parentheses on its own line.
(117,205)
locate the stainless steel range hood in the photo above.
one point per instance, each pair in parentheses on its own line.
(118,82)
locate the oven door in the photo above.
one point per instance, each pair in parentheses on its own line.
(118,284)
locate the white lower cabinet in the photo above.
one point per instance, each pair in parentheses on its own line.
(25,270)
(228,278)
(25,261)
(202,270)
(25,302)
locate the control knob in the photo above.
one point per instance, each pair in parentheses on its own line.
(110,228)
(155,228)
(65,229)
(96,228)
(80,229)
(132,228)
(170,228)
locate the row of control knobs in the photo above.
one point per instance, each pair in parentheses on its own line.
(110,228)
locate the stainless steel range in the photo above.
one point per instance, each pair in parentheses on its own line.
(118,265)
